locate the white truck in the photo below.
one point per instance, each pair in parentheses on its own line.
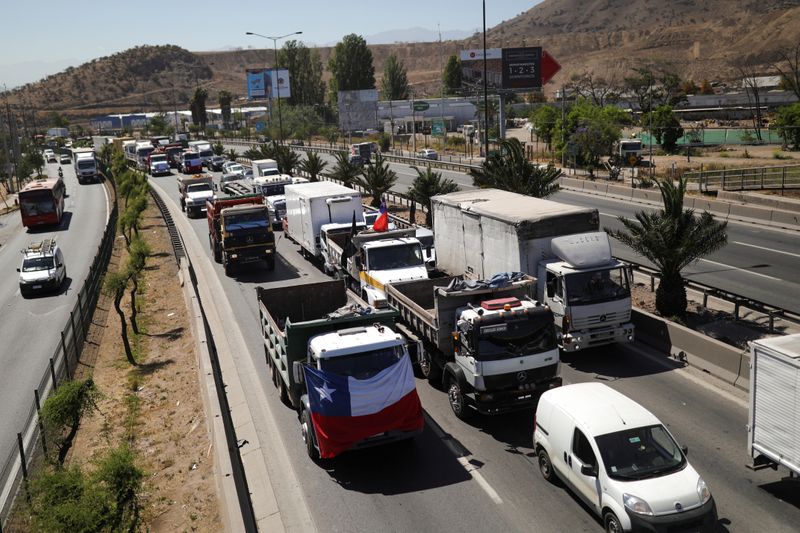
(142,151)
(773,429)
(203,148)
(265,167)
(85,164)
(311,205)
(482,232)
(195,191)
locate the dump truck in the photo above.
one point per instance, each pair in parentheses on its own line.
(482,232)
(195,190)
(773,429)
(319,326)
(491,345)
(239,231)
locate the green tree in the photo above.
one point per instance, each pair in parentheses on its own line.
(139,251)
(252,153)
(305,69)
(509,170)
(544,119)
(287,159)
(666,128)
(117,471)
(158,125)
(218,148)
(58,120)
(35,159)
(62,413)
(63,499)
(197,105)
(394,85)
(787,121)
(115,285)
(344,171)
(428,184)
(232,154)
(377,179)
(313,165)
(331,135)
(351,66)
(672,238)
(592,130)
(452,75)
(225,98)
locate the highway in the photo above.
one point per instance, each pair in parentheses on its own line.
(481,476)
(30,328)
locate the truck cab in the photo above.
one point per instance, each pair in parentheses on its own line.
(194,193)
(388,261)
(42,268)
(157,164)
(85,166)
(245,236)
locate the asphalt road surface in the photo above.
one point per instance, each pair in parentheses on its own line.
(481,476)
(30,328)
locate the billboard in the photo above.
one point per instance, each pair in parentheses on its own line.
(521,68)
(358,110)
(507,69)
(268,83)
(106,123)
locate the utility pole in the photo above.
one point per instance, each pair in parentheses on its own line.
(485,91)
(563,127)
(441,105)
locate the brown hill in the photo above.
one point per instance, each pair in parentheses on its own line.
(707,39)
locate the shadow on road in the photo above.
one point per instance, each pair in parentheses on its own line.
(66,219)
(787,490)
(610,363)
(258,273)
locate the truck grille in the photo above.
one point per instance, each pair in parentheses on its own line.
(592,321)
(513,381)
(248,238)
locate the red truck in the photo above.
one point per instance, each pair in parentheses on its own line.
(239,231)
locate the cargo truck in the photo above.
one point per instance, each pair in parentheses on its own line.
(85,165)
(194,191)
(773,429)
(493,347)
(310,205)
(264,167)
(318,326)
(239,231)
(482,232)
(157,163)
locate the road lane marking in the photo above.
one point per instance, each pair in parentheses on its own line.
(741,270)
(766,249)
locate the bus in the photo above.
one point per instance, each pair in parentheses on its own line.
(41,202)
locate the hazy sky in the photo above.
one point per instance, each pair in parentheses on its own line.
(45,36)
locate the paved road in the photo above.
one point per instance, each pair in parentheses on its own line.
(427,486)
(30,328)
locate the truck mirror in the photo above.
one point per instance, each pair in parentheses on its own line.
(297,371)
(17,269)
(551,288)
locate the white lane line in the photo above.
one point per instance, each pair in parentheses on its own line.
(741,270)
(766,249)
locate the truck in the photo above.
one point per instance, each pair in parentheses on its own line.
(157,163)
(318,325)
(239,231)
(173,152)
(310,205)
(121,142)
(482,232)
(139,154)
(195,190)
(264,167)
(85,164)
(361,153)
(375,258)
(773,428)
(203,149)
(492,346)
(627,153)
(273,189)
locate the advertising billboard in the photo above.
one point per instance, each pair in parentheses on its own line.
(507,69)
(268,83)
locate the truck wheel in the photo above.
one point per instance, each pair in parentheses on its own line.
(227,266)
(283,391)
(217,253)
(546,467)
(271,262)
(307,430)
(427,366)
(458,403)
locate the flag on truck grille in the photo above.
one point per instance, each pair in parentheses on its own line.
(382,222)
(346,411)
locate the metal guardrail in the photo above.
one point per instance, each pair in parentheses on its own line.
(741,179)
(30,440)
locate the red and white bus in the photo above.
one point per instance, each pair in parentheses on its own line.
(41,202)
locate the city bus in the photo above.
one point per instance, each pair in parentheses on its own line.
(41,202)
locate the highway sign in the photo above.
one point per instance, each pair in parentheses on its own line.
(421,106)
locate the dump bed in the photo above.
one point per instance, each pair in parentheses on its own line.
(430,310)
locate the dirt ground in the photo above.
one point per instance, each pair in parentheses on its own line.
(158,405)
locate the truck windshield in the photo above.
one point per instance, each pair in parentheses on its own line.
(247,216)
(640,453)
(391,257)
(275,189)
(199,187)
(86,164)
(597,286)
(37,263)
(362,365)
(515,338)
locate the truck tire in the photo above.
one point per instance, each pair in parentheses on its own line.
(217,253)
(227,266)
(456,398)
(307,431)
(428,367)
(271,262)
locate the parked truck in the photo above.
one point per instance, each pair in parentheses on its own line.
(493,347)
(239,231)
(482,232)
(310,205)
(318,326)
(195,190)
(375,258)
(773,429)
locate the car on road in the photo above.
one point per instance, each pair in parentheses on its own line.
(428,153)
(49,156)
(232,167)
(64,159)
(227,178)
(619,460)
(215,162)
(42,268)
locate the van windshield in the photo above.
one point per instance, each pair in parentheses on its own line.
(640,453)
(597,286)
(34,264)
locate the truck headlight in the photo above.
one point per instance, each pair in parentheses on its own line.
(636,505)
(702,490)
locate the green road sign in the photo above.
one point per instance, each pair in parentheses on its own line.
(421,106)
(437,128)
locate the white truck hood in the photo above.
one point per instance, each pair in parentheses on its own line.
(37,275)
(199,196)
(395,275)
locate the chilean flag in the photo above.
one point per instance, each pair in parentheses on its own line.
(382,222)
(346,410)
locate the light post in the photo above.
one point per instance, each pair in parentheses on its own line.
(278,85)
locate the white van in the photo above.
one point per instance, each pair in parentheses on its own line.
(620,460)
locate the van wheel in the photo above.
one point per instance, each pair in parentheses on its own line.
(546,467)
(307,430)
(611,523)
(458,402)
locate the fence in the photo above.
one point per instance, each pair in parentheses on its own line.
(30,440)
(723,136)
(740,179)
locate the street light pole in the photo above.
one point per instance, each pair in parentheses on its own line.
(277,69)
(485,92)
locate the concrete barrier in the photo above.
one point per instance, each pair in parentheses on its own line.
(572,183)
(621,191)
(595,187)
(786,219)
(749,211)
(712,206)
(772,201)
(652,195)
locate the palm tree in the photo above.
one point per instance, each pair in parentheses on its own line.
(344,170)
(671,239)
(426,185)
(286,158)
(313,165)
(232,154)
(253,153)
(508,169)
(377,179)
